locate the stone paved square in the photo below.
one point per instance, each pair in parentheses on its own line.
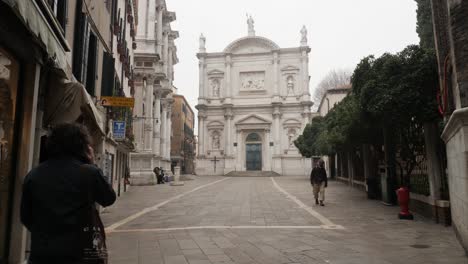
(268,220)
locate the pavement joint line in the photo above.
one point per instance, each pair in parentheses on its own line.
(130,218)
(326,227)
(325,221)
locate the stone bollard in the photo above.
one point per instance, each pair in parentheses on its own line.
(177,181)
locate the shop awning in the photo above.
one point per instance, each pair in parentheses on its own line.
(33,19)
(68,102)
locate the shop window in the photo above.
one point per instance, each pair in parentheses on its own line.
(9,71)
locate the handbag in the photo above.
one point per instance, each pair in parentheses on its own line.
(92,233)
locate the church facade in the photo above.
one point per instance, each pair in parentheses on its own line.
(254,101)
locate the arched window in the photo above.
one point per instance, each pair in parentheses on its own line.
(253,137)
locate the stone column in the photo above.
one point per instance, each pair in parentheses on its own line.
(139,123)
(149,22)
(267,150)
(201,66)
(148,118)
(276,73)
(227,132)
(239,165)
(201,135)
(276,123)
(305,117)
(163,129)
(228,92)
(159,37)
(166,52)
(305,73)
(168,132)
(169,65)
(157,125)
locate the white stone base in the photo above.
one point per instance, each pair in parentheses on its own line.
(283,165)
(177,181)
(143,178)
(455,136)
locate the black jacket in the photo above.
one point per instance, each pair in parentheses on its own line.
(55,194)
(318,175)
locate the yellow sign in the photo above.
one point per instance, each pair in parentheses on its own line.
(117,101)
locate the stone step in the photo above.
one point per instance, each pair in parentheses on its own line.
(252,174)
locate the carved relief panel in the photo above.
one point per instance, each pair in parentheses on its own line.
(252,81)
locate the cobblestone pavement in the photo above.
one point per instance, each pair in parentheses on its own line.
(267,220)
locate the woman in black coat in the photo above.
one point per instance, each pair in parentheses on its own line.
(58,197)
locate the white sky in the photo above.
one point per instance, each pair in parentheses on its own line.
(340,32)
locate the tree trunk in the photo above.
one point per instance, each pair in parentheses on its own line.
(389,192)
(432,143)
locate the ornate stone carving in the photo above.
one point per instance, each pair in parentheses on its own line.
(202,48)
(4,71)
(250,25)
(304,36)
(216,139)
(290,83)
(292,134)
(215,86)
(252,81)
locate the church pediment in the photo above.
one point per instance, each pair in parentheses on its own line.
(215,72)
(251,45)
(289,68)
(215,125)
(253,120)
(292,123)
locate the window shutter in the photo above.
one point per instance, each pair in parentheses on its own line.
(84,61)
(108,72)
(91,67)
(78,41)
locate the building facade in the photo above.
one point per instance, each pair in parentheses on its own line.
(450,18)
(254,101)
(155,57)
(331,98)
(57,58)
(182,141)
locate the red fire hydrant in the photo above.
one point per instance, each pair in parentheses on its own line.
(403,200)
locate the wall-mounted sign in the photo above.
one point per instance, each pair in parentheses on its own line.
(117,101)
(118,129)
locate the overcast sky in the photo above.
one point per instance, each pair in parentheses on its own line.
(340,32)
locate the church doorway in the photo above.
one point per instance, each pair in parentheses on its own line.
(253,155)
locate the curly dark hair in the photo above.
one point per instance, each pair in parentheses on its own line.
(68,140)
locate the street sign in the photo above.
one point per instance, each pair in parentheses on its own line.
(117,101)
(118,129)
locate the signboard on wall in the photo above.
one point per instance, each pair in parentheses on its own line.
(118,101)
(118,129)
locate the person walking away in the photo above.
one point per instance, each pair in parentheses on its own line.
(319,181)
(58,201)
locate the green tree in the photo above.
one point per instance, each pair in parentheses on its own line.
(424,26)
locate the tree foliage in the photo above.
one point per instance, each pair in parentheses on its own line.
(397,89)
(394,90)
(424,26)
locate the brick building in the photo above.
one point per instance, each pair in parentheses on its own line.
(182,140)
(450,18)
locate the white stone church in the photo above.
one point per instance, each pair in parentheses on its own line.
(254,101)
